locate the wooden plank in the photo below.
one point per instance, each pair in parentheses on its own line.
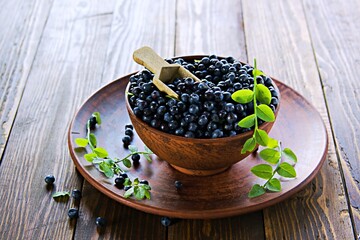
(207,27)
(66,69)
(21,27)
(334,29)
(282,46)
(134,25)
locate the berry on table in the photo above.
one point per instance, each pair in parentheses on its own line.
(76,194)
(92,123)
(135,157)
(165,221)
(129,126)
(73,213)
(178,184)
(144,182)
(100,222)
(49,179)
(126,140)
(119,182)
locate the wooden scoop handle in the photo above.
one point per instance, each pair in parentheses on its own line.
(147,57)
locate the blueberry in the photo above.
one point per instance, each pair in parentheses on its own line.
(202,120)
(92,123)
(135,157)
(76,194)
(194,109)
(73,213)
(100,222)
(126,140)
(189,134)
(178,184)
(119,182)
(127,188)
(165,221)
(129,132)
(161,110)
(124,175)
(49,179)
(229,107)
(145,182)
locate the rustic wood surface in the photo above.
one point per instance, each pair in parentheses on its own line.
(54,54)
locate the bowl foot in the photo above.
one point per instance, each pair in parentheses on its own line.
(194,172)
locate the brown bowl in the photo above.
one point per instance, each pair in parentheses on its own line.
(194,156)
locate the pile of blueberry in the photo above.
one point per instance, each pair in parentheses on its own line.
(204,109)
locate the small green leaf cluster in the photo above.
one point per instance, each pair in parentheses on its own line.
(109,166)
(265,171)
(138,189)
(272,153)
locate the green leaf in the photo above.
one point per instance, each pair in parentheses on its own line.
(61,194)
(101,152)
(90,157)
(264,171)
(81,142)
(127,163)
(286,170)
(93,140)
(139,192)
(136,181)
(261,137)
(288,153)
(148,158)
(147,194)
(127,182)
(243,96)
(256,72)
(270,155)
(274,185)
(249,145)
(256,191)
(145,186)
(133,148)
(265,113)
(98,118)
(247,122)
(129,192)
(263,94)
(272,143)
(106,169)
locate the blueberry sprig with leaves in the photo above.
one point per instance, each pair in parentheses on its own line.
(140,189)
(272,152)
(109,166)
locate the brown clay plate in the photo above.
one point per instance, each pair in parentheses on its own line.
(298,125)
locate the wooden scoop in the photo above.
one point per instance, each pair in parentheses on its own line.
(164,72)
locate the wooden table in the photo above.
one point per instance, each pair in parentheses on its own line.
(54,54)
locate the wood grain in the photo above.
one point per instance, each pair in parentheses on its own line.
(21,26)
(67,67)
(334,32)
(211,27)
(134,24)
(277,35)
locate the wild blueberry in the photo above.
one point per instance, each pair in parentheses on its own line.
(144,182)
(127,188)
(92,123)
(126,140)
(119,182)
(129,132)
(135,157)
(76,194)
(49,179)
(178,184)
(165,221)
(73,213)
(124,175)
(100,222)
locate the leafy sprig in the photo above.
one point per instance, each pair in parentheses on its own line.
(272,152)
(138,189)
(110,166)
